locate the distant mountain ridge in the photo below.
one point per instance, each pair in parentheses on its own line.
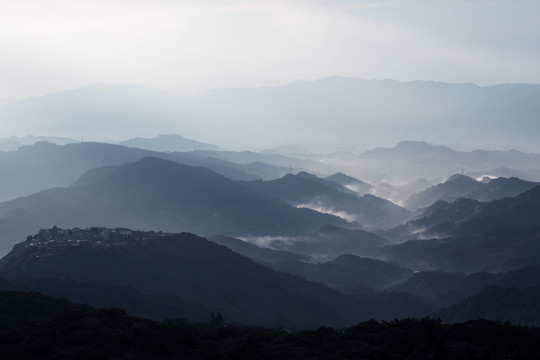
(460,186)
(427,110)
(44,165)
(412,160)
(168,143)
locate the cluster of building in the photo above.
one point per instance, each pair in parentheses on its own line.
(91,237)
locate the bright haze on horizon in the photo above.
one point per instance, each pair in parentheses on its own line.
(48,46)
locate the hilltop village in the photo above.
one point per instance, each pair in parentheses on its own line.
(95,237)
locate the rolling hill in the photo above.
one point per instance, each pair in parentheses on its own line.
(159,194)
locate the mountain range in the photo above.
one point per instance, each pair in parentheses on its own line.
(45,165)
(192,268)
(307,190)
(168,143)
(433,111)
(470,236)
(154,193)
(460,186)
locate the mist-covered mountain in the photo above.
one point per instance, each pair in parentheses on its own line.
(187,266)
(346,273)
(168,143)
(470,236)
(154,193)
(309,191)
(351,183)
(328,242)
(503,114)
(412,160)
(467,216)
(261,255)
(12,143)
(460,186)
(45,165)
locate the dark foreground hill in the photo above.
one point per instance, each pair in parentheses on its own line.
(519,306)
(51,328)
(191,268)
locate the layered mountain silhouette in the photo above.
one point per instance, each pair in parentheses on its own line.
(259,254)
(168,143)
(348,273)
(350,183)
(187,266)
(329,242)
(495,250)
(306,190)
(12,143)
(105,295)
(460,186)
(518,306)
(154,193)
(446,288)
(412,160)
(428,110)
(45,165)
(466,216)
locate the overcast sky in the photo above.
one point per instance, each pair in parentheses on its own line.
(53,45)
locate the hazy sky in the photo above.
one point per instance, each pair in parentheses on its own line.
(53,45)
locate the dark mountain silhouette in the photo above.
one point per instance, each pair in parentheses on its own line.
(331,241)
(168,143)
(495,250)
(350,183)
(518,306)
(157,307)
(20,310)
(446,288)
(513,213)
(324,182)
(527,276)
(67,330)
(346,272)
(511,296)
(256,253)
(499,235)
(160,194)
(436,218)
(466,217)
(460,186)
(46,165)
(309,191)
(184,265)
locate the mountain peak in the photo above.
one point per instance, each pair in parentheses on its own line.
(418,146)
(460,177)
